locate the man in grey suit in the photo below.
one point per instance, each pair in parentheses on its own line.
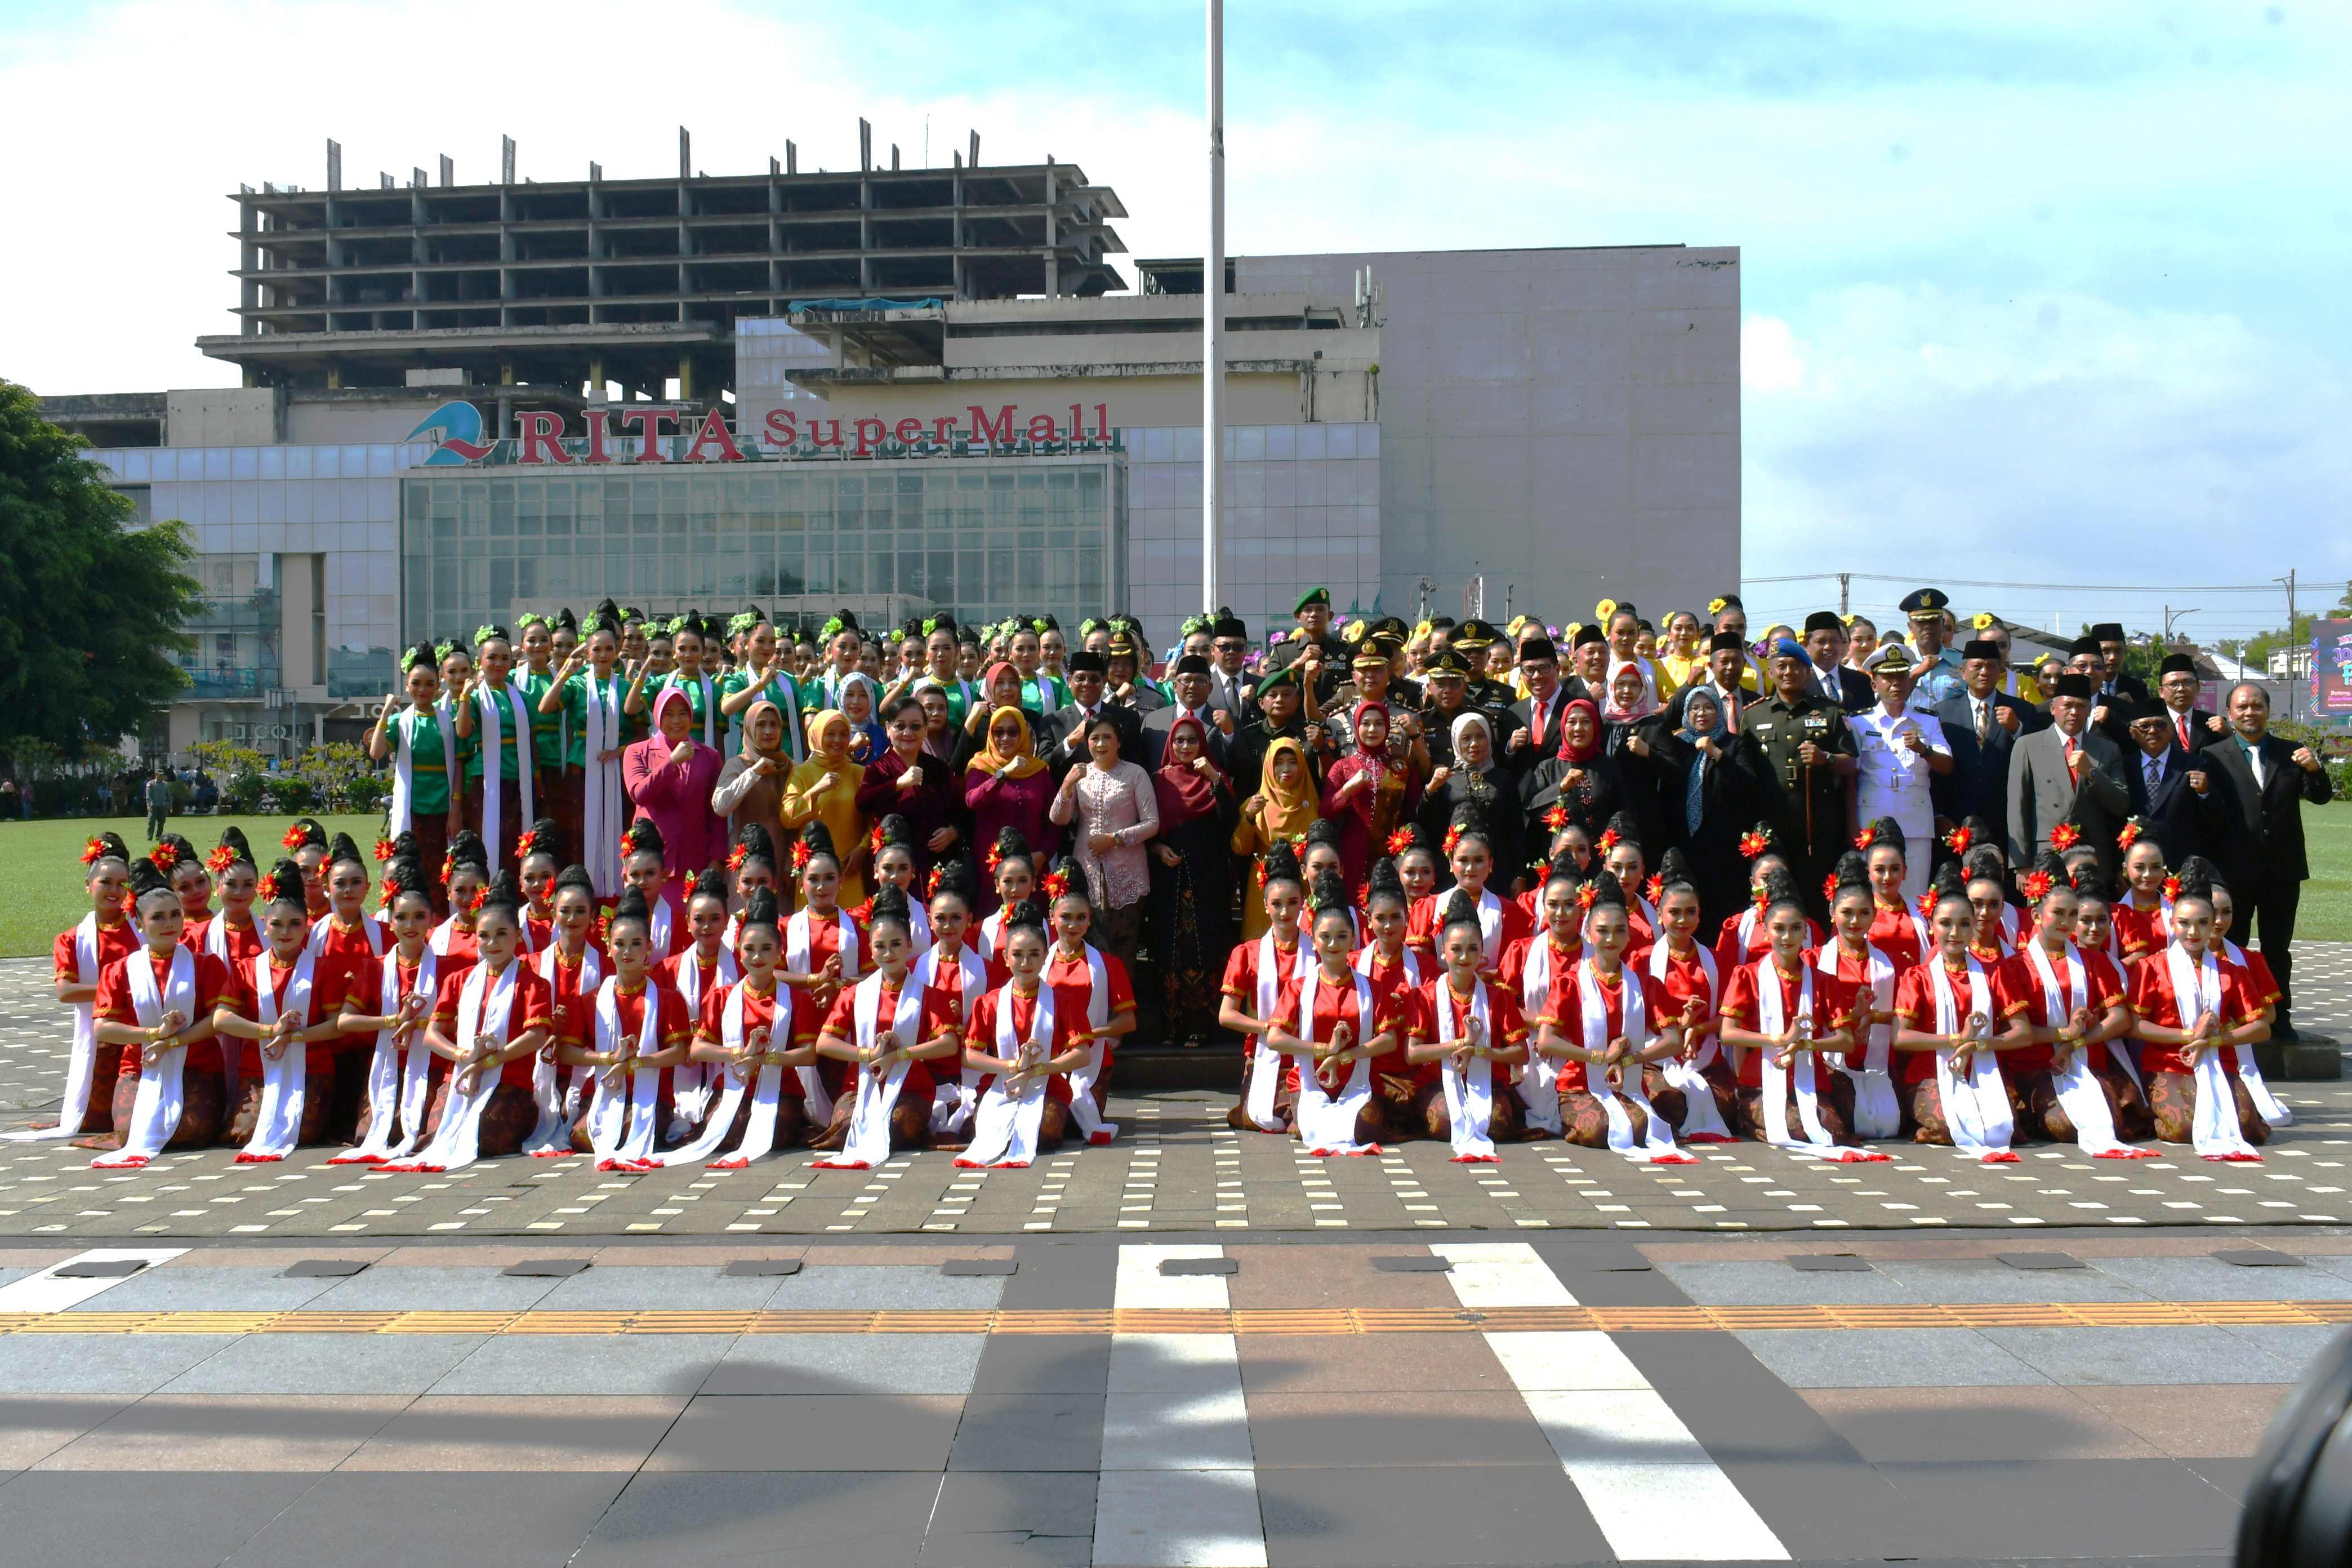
(1980,725)
(2067,773)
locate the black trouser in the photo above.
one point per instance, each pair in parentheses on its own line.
(2267,911)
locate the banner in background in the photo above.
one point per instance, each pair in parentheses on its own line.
(2331,669)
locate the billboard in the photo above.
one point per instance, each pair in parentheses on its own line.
(2331,669)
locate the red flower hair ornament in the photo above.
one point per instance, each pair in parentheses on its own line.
(221,858)
(2065,836)
(91,849)
(1755,841)
(293,838)
(1959,839)
(1400,841)
(2037,883)
(384,850)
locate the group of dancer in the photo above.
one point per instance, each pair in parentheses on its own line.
(682,894)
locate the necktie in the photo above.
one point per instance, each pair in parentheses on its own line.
(2073,759)
(1542,710)
(2180,723)
(1984,719)
(2154,774)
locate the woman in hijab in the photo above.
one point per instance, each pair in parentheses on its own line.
(1474,777)
(1708,801)
(1367,793)
(1001,686)
(1007,785)
(751,787)
(825,789)
(1631,728)
(670,776)
(1285,803)
(1581,784)
(1192,883)
(868,739)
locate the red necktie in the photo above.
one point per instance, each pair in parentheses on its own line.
(1542,711)
(2074,758)
(2180,723)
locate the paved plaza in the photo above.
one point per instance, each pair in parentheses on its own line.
(1193,1347)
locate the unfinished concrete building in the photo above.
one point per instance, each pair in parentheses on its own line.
(567,285)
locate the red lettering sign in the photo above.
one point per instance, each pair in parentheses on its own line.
(542,437)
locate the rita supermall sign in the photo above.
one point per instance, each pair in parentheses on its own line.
(645,433)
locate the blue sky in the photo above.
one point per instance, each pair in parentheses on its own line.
(2033,293)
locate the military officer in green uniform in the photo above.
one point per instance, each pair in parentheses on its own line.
(1798,748)
(1311,646)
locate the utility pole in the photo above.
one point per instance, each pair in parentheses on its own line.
(1845,585)
(2294,695)
(1213,305)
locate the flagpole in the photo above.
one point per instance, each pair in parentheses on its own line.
(1213,291)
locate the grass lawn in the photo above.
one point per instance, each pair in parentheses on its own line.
(40,864)
(2327,912)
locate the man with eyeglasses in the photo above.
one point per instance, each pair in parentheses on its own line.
(2176,682)
(1228,677)
(1936,678)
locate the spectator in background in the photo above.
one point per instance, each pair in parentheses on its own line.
(158,804)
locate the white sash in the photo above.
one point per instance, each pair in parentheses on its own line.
(1412,965)
(397,1089)
(1656,1144)
(765,1087)
(82,1065)
(604,802)
(1005,1129)
(2080,1093)
(620,1116)
(1469,1089)
(494,766)
(868,1143)
(155,1112)
(1701,1119)
(1082,1077)
(1327,1120)
(482,1009)
(2197,991)
(284,1082)
(1490,924)
(954,1103)
(2249,1073)
(1876,1112)
(691,1083)
(800,948)
(1539,1083)
(1265,1062)
(1779,1081)
(559,1104)
(990,937)
(1975,1109)
(403,815)
(379,941)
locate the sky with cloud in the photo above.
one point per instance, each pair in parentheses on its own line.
(2034,294)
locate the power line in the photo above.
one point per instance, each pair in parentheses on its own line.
(2055,587)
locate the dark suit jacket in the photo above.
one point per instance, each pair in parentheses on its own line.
(1159,720)
(2259,828)
(2180,821)
(1059,753)
(1524,711)
(1245,708)
(2041,795)
(1978,785)
(1853,693)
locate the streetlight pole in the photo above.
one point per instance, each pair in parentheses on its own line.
(2170,615)
(1212,321)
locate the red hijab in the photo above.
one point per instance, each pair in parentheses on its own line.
(1182,794)
(1569,753)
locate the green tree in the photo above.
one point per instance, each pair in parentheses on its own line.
(90,610)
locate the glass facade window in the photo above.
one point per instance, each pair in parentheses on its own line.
(982,536)
(237,633)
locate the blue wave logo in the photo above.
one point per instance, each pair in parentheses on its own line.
(455,428)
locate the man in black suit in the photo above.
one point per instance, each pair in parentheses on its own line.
(1085,669)
(2171,790)
(2067,773)
(1728,676)
(1230,677)
(2112,680)
(1538,713)
(1825,643)
(1981,724)
(2193,728)
(1190,683)
(2259,837)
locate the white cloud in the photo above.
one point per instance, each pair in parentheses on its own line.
(2049,438)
